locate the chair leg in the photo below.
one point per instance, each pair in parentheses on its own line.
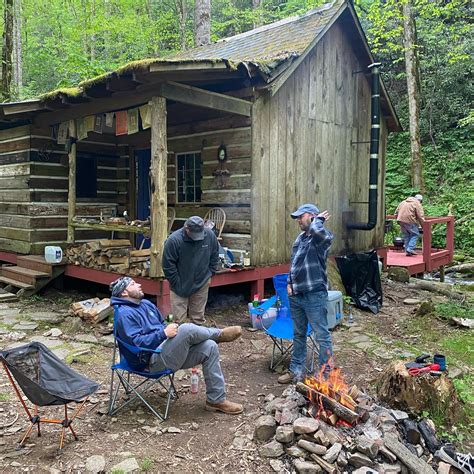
(145,385)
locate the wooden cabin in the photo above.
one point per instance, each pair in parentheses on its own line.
(287,107)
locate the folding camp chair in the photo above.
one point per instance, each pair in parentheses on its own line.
(135,383)
(45,381)
(281,330)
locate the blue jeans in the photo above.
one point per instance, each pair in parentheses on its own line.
(193,345)
(310,307)
(410,235)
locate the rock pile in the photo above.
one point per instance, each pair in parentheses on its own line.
(308,445)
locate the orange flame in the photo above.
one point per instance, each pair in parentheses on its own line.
(332,385)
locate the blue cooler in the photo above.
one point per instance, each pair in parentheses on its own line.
(335,306)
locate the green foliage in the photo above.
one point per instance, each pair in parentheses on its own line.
(455,310)
(4,397)
(147,465)
(449,176)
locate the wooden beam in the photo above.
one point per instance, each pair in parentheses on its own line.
(121,84)
(23,107)
(158,176)
(120,100)
(72,183)
(202,98)
(188,66)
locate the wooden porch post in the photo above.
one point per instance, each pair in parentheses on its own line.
(158,167)
(71,198)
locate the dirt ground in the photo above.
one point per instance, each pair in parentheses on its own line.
(204,442)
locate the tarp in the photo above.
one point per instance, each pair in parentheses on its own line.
(361,278)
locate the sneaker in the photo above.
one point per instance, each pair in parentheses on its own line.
(464,462)
(410,254)
(229,334)
(286,378)
(227,407)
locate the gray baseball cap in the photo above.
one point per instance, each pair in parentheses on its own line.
(195,227)
(311,208)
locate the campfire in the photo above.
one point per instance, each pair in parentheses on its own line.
(331,398)
(324,424)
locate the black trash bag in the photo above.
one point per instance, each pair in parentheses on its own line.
(361,278)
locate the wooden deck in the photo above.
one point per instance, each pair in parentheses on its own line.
(428,258)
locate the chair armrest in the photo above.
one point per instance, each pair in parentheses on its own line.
(136,349)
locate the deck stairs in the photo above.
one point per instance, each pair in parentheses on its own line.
(27,277)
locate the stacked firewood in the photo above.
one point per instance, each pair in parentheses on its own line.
(111,255)
(92,310)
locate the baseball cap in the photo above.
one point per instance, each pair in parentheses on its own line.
(195,226)
(311,208)
(419,197)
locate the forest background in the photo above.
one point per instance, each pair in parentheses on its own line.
(59,43)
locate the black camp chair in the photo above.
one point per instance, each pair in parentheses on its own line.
(46,381)
(136,383)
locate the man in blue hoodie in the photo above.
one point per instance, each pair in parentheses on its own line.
(140,324)
(308,290)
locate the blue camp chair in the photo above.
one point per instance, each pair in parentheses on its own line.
(136,383)
(281,330)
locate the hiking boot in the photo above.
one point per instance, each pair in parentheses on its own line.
(464,462)
(229,334)
(285,378)
(227,407)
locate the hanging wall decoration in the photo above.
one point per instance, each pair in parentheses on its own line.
(221,173)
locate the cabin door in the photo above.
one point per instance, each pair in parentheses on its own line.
(143,160)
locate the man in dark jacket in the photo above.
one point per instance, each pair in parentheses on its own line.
(190,258)
(308,290)
(140,324)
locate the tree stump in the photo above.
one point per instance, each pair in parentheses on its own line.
(414,395)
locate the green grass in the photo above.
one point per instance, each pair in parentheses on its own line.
(146,465)
(455,310)
(460,346)
(4,397)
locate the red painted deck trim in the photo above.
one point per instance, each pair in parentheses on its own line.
(429,258)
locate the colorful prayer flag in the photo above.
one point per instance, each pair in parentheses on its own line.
(63,130)
(89,121)
(132,120)
(145,114)
(121,126)
(109,119)
(98,123)
(81,128)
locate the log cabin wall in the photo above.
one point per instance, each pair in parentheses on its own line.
(302,151)
(232,193)
(34,187)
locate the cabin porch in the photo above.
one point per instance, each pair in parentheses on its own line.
(428,258)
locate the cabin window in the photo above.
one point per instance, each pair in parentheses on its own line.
(86,176)
(188,177)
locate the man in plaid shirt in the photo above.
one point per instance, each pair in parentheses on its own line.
(308,289)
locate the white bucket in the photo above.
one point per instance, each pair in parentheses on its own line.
(53,254)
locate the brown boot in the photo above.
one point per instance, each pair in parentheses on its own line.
(230,334)
(285,378)
(227,407)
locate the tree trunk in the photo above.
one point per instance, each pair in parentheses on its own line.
(181,7)
(202,22)
(257,20)
(7,51)
(413,82)
(17,73)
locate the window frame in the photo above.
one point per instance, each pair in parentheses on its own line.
(197,186)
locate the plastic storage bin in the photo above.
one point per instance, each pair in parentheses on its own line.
(334,308)
(264,320)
